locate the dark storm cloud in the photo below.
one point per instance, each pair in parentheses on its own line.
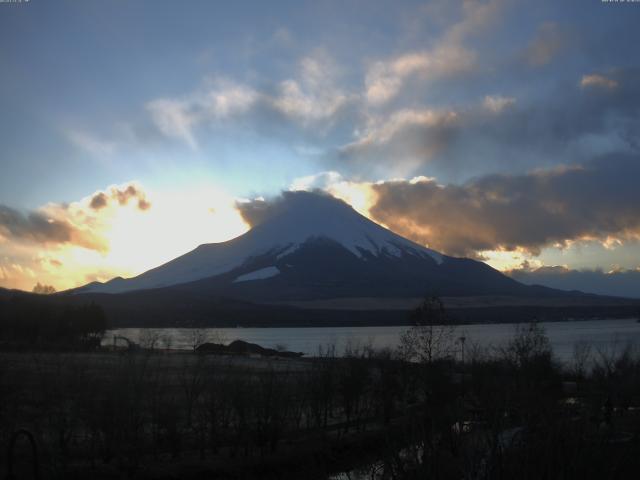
(124,195)
(121,195)
(98,201)
(622,283)
(257,211)
(143,204)
(597,113)
(531,211)
(577,113)
(37,227)
(33,226)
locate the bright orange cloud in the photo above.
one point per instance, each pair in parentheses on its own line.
(120,231)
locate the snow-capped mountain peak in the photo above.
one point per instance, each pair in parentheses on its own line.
(296,219)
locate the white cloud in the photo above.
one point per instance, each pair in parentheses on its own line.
(598,81)
(178,118)
(174,118)
(382,130)
(321,180)
(448,57)
(90,143)
(293,101)
(497,103)
(227,99)
(385,79)
(311,96)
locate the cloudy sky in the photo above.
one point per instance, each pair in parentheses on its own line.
(501,130)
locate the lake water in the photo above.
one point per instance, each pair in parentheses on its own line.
(602,335)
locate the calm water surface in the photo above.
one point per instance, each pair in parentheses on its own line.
(604,335)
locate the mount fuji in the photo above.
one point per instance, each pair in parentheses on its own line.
(314,240)
(315,253)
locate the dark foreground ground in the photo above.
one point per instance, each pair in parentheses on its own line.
(503,414)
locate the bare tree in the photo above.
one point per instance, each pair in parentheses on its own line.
(580,359)
(149,339)
(529,343)
(197,337)
(432,335)
(167,341)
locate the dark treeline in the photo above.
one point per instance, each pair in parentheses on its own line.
(167,307)
(36,322)
(436,407)
(166,313)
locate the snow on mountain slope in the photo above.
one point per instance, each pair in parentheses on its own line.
(261,274)
(301,216)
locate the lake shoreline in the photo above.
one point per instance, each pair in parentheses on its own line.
(602,333)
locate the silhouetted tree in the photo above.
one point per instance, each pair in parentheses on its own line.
(43,289)
(432,334)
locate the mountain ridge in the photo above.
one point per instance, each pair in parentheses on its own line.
(313,246)
(316,261)
(301,217)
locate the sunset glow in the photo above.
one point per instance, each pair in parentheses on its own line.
(143,240)
(478,128)
(128,240)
